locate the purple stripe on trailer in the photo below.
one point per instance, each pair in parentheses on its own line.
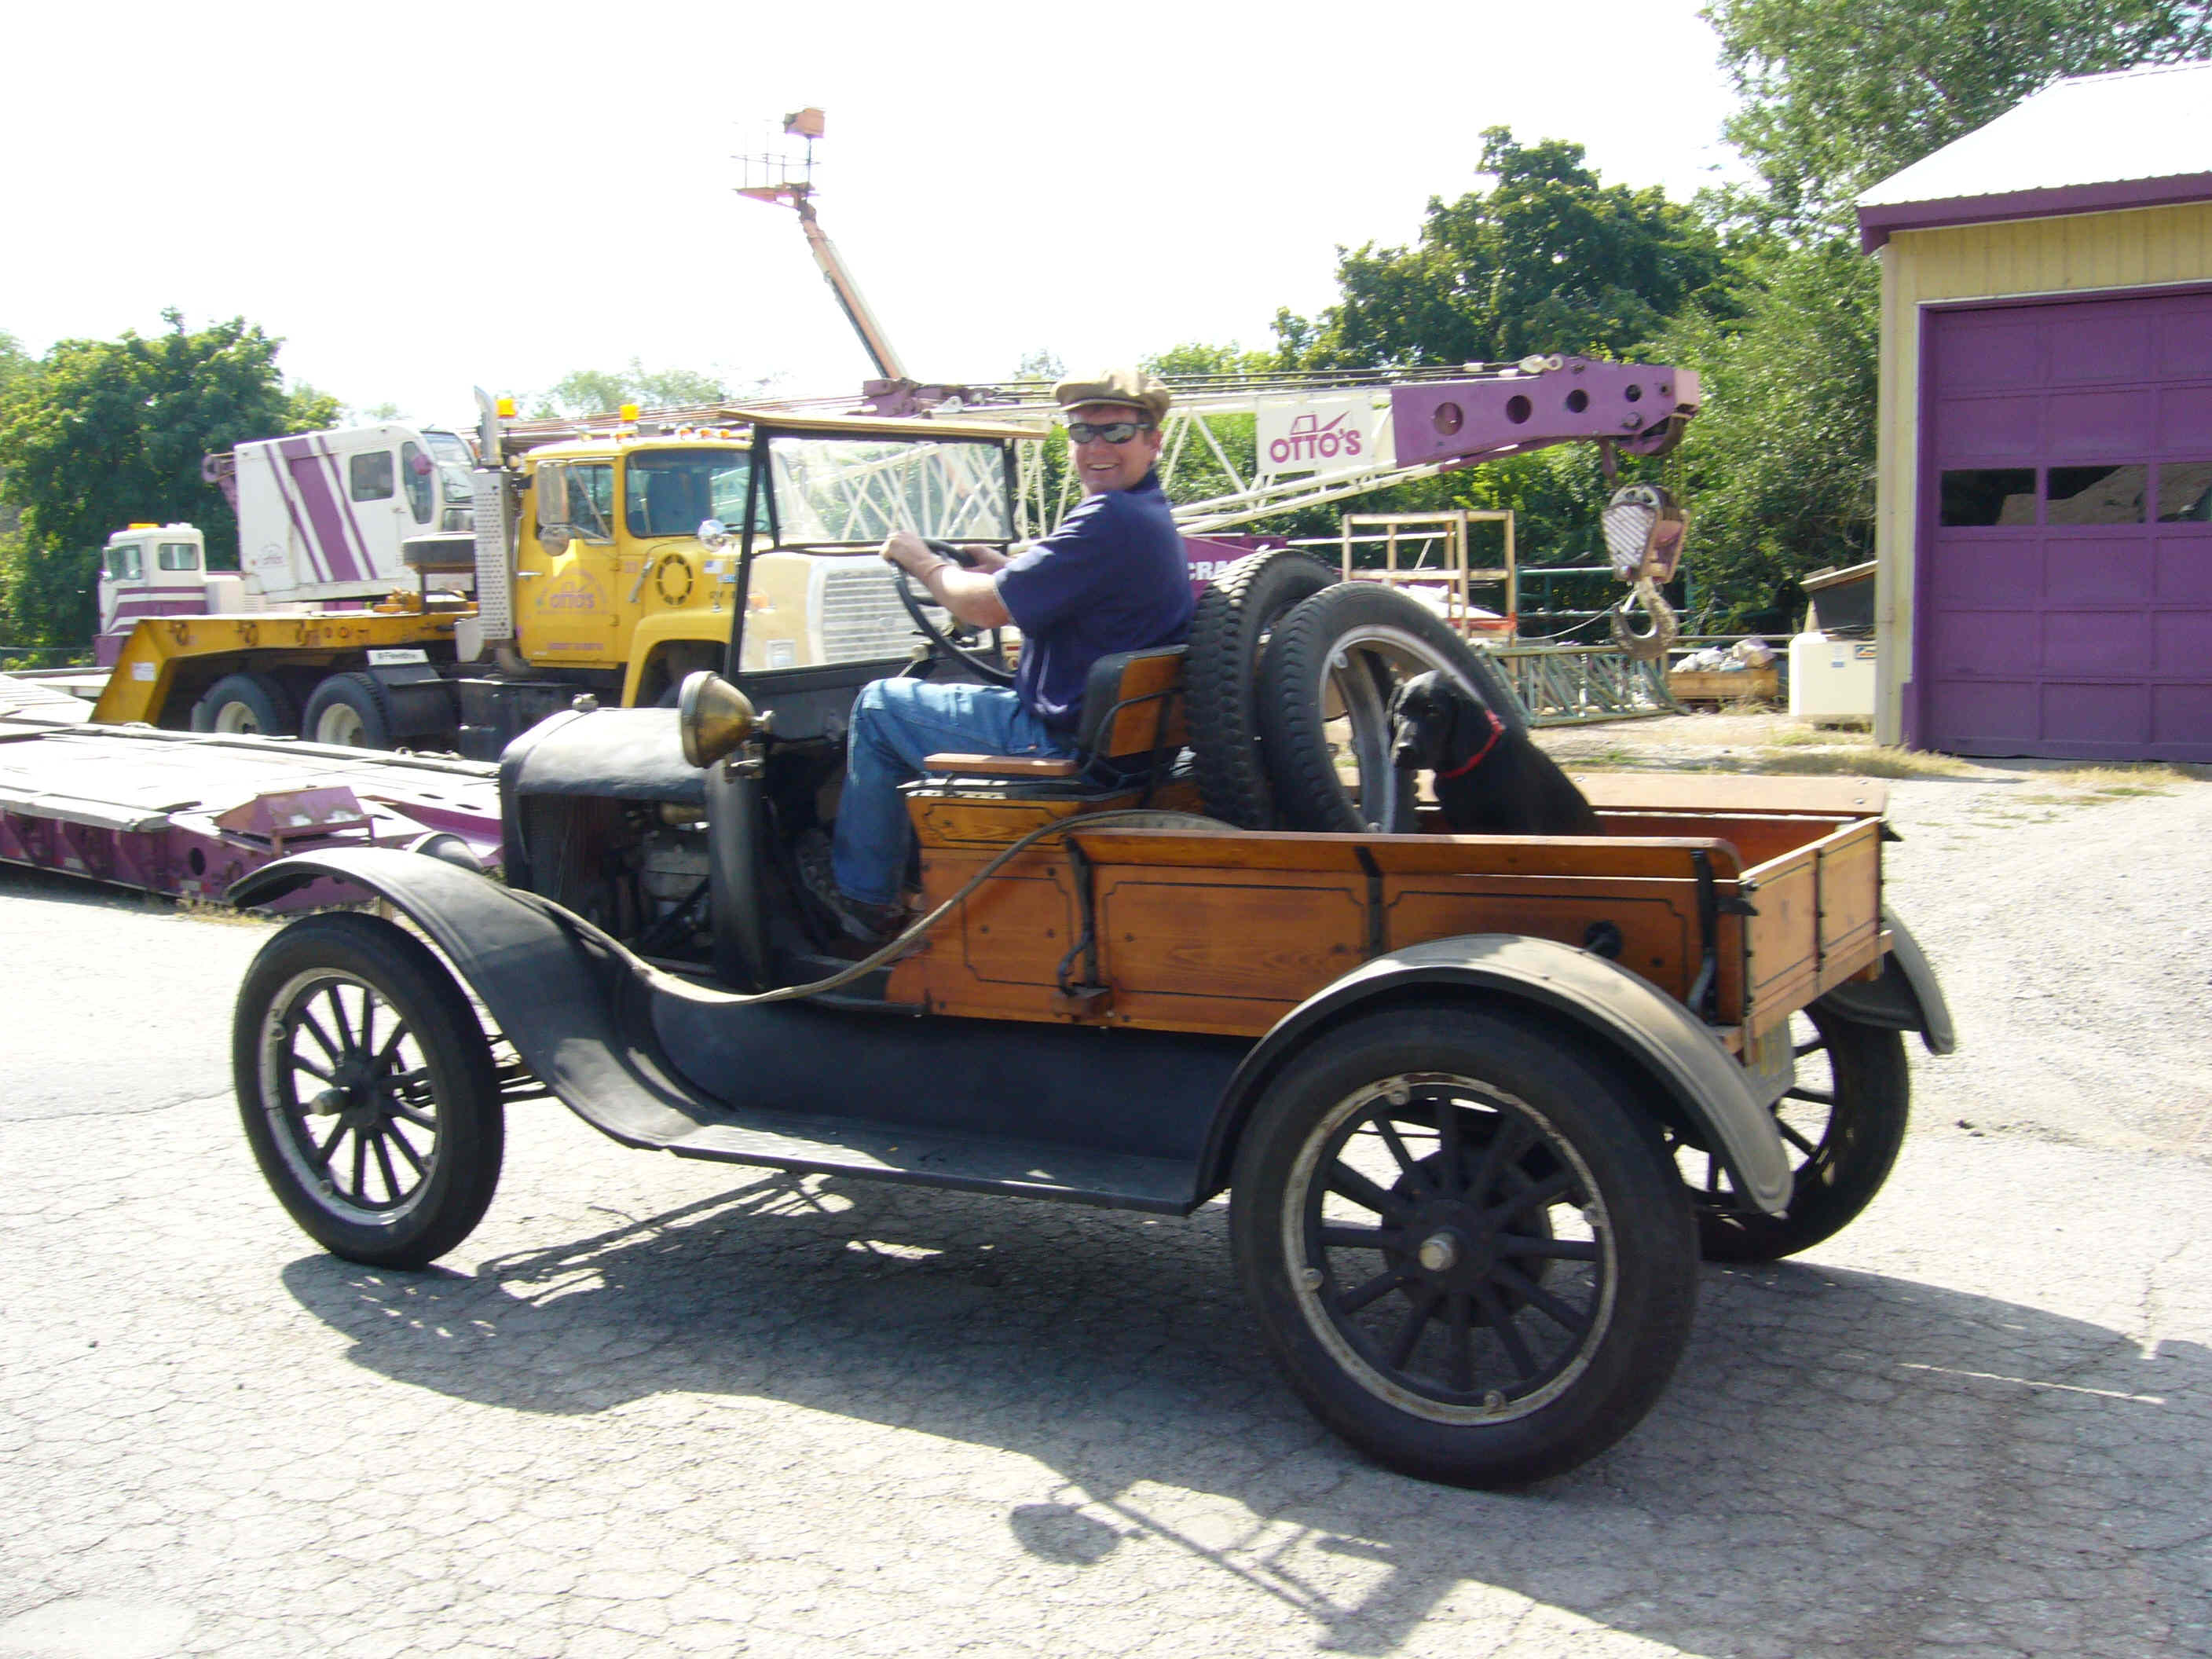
(133,608)
(359,542)
(163,601)
(325,513)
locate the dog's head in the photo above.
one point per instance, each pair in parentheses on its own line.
(1435,723)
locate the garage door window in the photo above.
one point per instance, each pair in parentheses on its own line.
(2096,494)
(1976,498)
(2184,493)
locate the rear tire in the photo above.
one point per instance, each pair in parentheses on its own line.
(1221,676)
(1464,1246)
(247,703)
(348,711)
(1845,1123)
(367,1091)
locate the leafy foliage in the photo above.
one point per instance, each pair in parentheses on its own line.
(99,433)
(1547,259)
(1778,468)
(602,391)
(1840,93)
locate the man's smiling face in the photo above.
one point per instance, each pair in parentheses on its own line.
(1101,466)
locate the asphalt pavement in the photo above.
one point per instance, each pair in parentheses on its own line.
(654,1407)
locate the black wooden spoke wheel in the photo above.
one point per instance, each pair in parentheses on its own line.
(1464,1246)
(1843,1121)
(367,1090)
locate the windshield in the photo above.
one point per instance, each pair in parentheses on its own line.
(448,446)
(858,490)
(667,492)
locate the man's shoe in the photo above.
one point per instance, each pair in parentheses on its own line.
(857,921)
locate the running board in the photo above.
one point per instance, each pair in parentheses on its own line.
(980,1164)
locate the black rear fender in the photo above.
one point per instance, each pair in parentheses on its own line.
(1690,1077)
(1906,998)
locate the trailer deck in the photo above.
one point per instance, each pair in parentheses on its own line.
(187,814)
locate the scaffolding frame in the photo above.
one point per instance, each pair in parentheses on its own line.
(1430,531)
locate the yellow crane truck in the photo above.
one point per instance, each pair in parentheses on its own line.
(585,572)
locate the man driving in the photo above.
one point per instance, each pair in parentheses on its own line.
(1111,578)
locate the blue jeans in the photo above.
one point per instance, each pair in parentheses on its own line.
(894,724)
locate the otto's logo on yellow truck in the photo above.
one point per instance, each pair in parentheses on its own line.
(573,592)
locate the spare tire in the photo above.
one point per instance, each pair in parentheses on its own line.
(1325,695)
(1221,677)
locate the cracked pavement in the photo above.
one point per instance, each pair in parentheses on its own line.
(658,1407)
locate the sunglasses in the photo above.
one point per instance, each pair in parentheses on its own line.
(1113,431)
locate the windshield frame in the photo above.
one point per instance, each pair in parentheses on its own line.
(764,516)
(773,446)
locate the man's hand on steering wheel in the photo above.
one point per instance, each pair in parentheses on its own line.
(957,579)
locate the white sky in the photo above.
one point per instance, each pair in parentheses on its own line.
(418,199)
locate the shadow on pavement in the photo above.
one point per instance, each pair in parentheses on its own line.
(1845,1463)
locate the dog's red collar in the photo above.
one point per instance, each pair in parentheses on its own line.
(1497,731)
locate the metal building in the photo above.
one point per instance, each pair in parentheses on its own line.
(2044,489)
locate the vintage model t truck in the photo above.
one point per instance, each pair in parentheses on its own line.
(1477,1103)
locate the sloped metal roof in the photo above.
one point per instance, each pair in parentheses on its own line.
(2137,137)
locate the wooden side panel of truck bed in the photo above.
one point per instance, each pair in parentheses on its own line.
(1226,931)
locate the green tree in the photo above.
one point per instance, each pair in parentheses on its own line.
(1778,467)
(104,433)
(1836,97)
(1547,260)
(601,391)
(1840,93)
(17,368)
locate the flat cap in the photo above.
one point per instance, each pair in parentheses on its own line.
(1116,385)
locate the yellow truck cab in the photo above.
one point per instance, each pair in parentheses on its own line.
(609,571)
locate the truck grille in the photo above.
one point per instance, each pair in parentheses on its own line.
(862,620)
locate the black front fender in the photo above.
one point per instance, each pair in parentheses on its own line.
(1039,1110)
(557,995)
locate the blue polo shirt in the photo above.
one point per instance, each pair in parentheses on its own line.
(1112,578)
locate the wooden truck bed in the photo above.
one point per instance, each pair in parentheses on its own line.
(1227,931)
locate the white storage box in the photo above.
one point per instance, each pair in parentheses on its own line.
(1831,680)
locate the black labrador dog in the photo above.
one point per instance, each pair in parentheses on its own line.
(1490,780)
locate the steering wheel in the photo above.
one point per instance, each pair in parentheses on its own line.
(977,649)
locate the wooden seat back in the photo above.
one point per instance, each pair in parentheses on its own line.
(1132,704)
(1132,711)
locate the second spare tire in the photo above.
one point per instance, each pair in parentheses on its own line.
(1221,677)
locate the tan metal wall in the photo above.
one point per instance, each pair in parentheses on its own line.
(2139,247)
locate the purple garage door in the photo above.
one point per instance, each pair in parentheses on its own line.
(2065,579)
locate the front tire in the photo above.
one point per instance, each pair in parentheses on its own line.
(1463,1244)
(367,1091)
